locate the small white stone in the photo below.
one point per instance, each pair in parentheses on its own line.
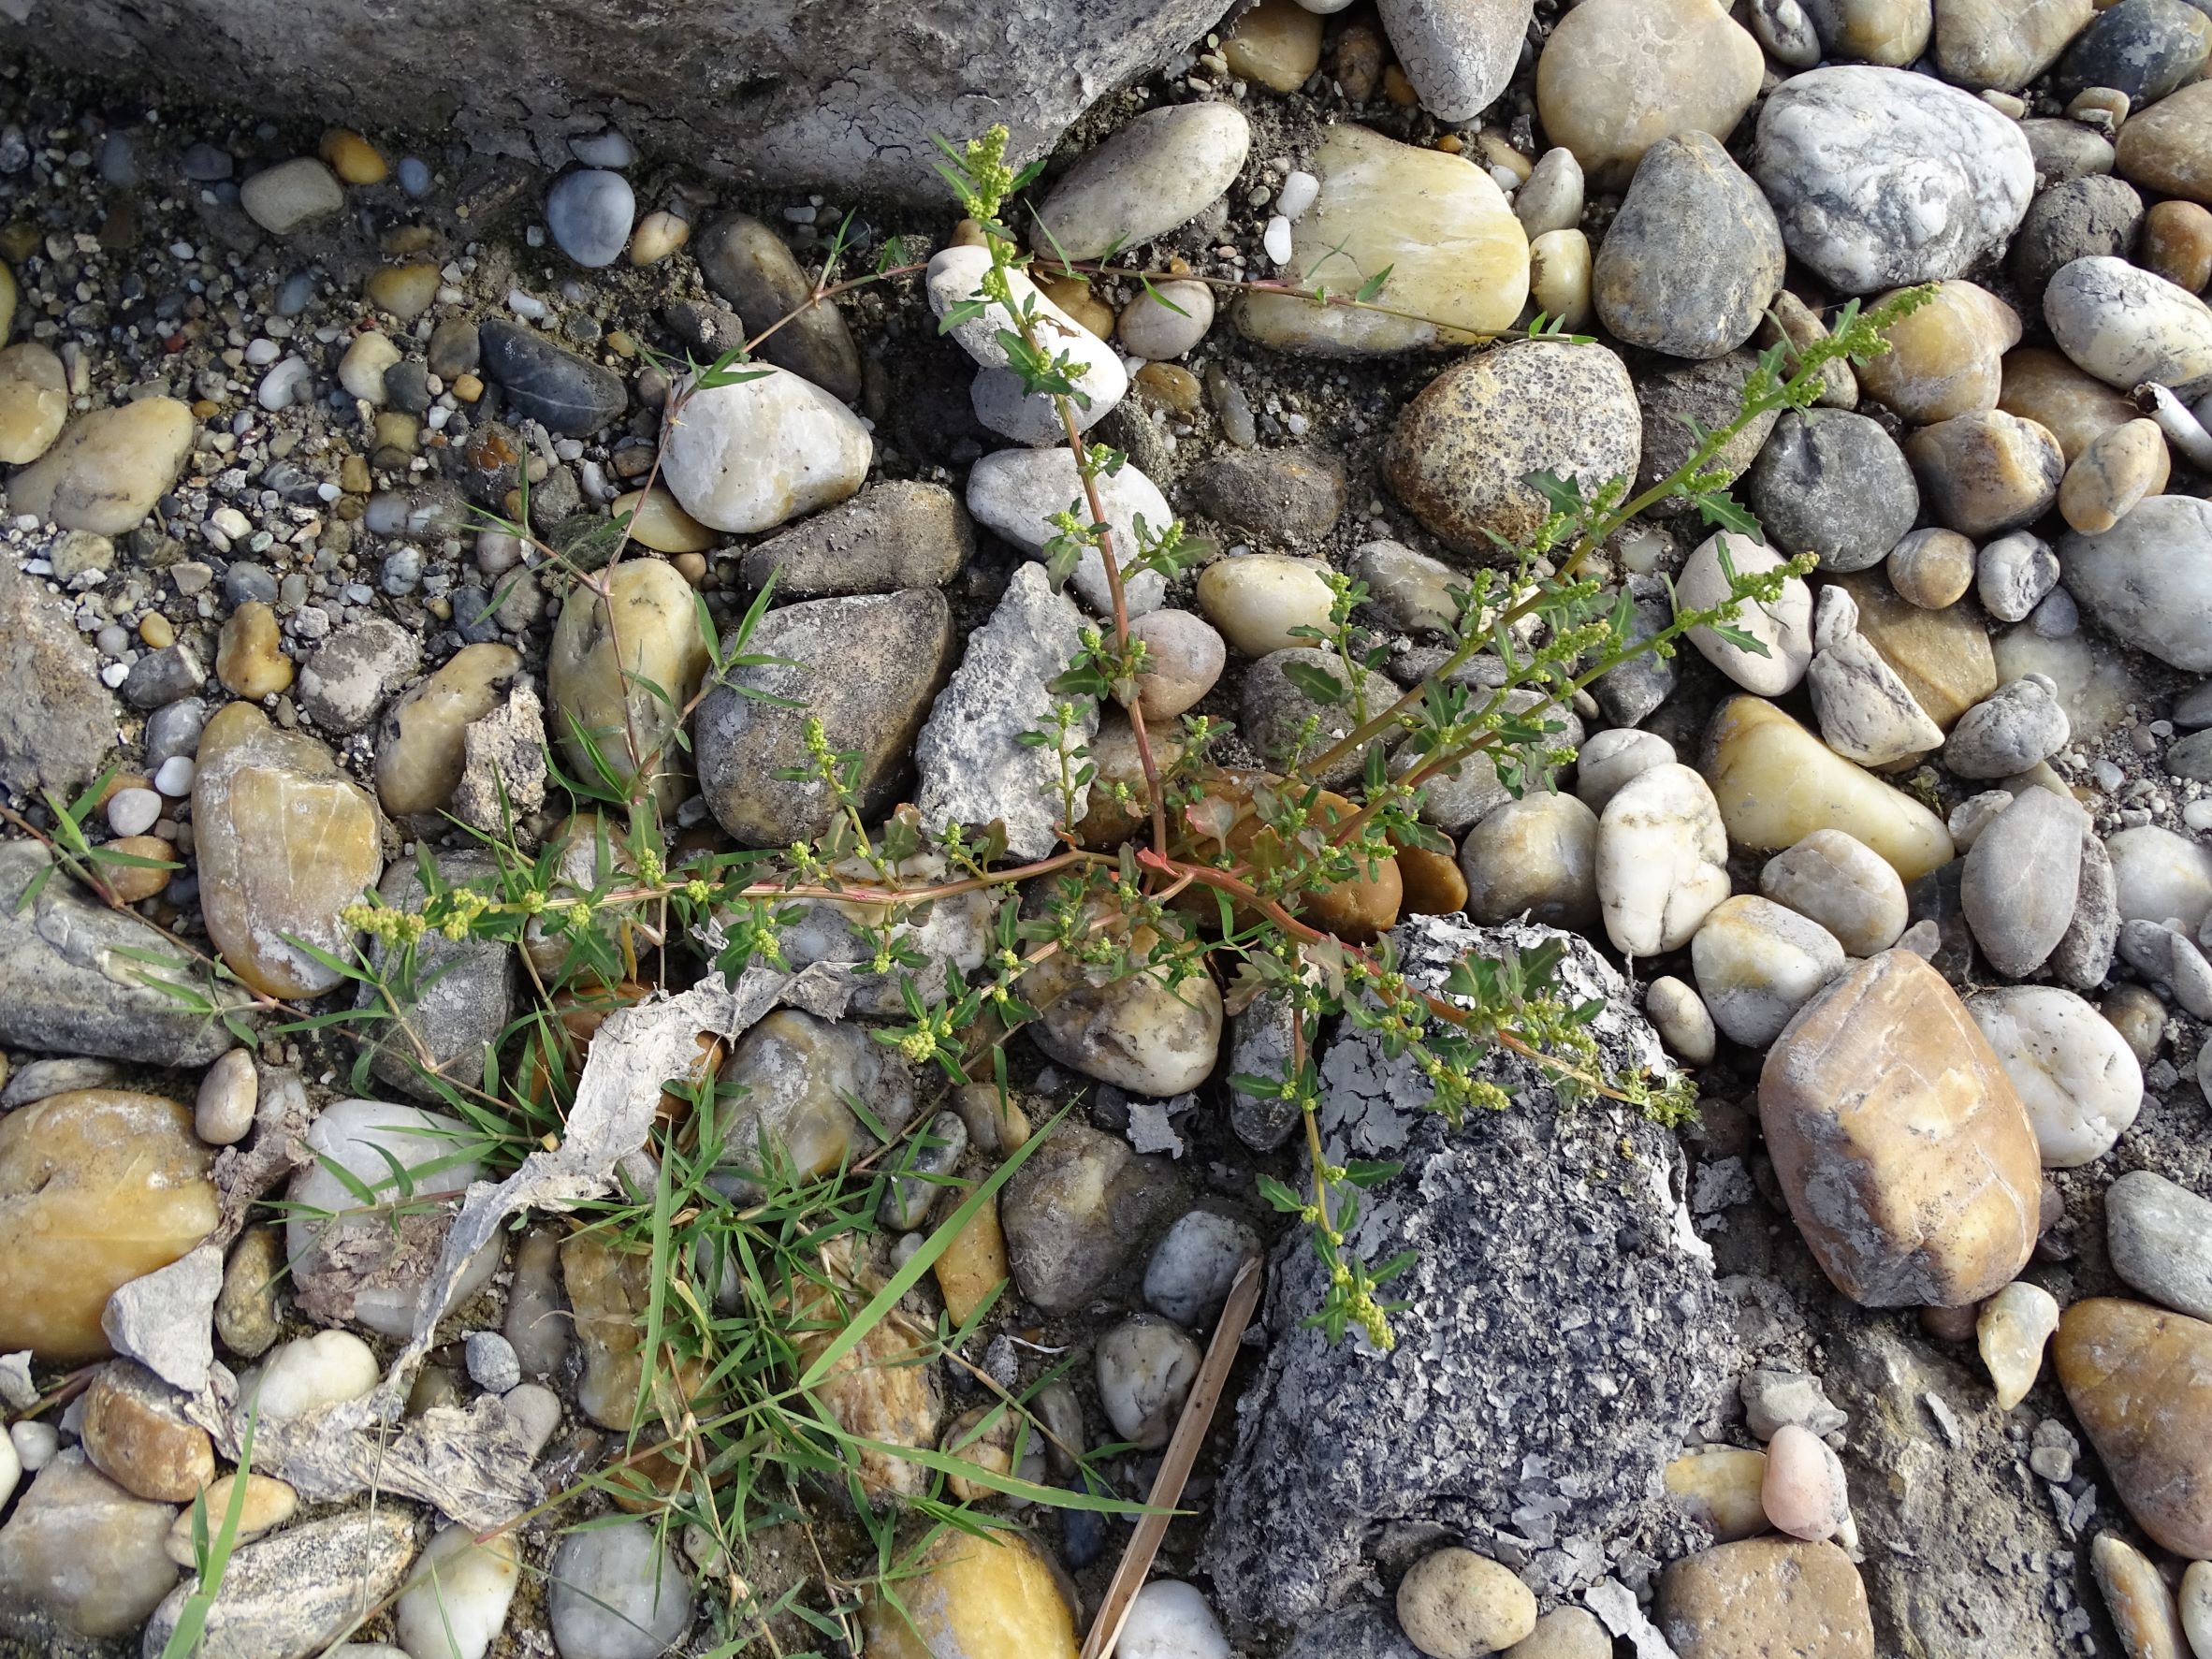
(314,1371)
(285,385)
(133,811)
(1300,191)
(1662,860)
(455,1604)
(1016,492)
(1611,758)
(173,778)
(361,370)
(2196,1607)
(953,280)
(1804,1491)
(2071,1069)
(35,1443)
(748,457)
(1172,1621)
(1679,1015)
(2011,1330)
(1756,964)
(1784,628)
(229,1094)
(1145,1367)
(1275,238)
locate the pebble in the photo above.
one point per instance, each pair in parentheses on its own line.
(1437,224)
(1407,590)
(1258,601)
(1068,1214)
(2135,1594)
(454,1603)
(1017,492)
(2010,1331)
(658,235)
(1759,1595)
(2148,581)
(134,1435)
(133,811)
(564,393)
(2160,1237)
(361,370)
(311,1371)
(615,1593)
(2126,326)
(1609,759)
(2144,48)
(1461,448)
(750,265)
(1681,1020)
(1538,854)
(2177,244)
(291,196)
(2133,1376)
(1892,32)
(1776,783)
(2014,575)
(1553,198)
(1662,858)
(229,1094)
(1804,1491)
(998,396)
(1458,57)
(657,522)
(1720,1487)
(34,401)
(1945,359)
(1184,660)
(1692,256)
(35,1443)
(1932,568)
(2113,474)
(972,1596)
(1983,473)
(1866,711)
(250,660)
(1844,155)
(590,212)
(2002,44)
(750,456)
(493,1365)
(1277,43)
(1832,483)
(1145,1367)
(1841,883)
(1784,628)
(1454,1603)
(2020,881)
(798,1070)
(1757,963)
(107,468)
(1881,1089)
(2164,148)
(2080,218)
(2196,1607)
(1153,176)
(1171,1621)
(1138,1033)
(2072,1069)
(1167,320)
(84,1552)
(588,684)
(2019,725)
(1618,76)
(1787,32)
(268,1504)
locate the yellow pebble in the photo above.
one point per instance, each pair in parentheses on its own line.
(153,628)
(468,388)
(621,345)
(657,235)
(206,409)
(967,234)
(353,474)
(352,158)
(691,567)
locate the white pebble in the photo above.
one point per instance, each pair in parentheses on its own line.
(1171,1621)
(313,1371)
(1276,239)
(525,306)
(1804,1492)
(133,811)
(2011,1332)
(1299,192)
(229,1094)
(35,1443)
(285,385)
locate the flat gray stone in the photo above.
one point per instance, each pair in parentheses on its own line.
(2160,1234)
(166,1319)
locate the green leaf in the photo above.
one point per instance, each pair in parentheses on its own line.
(1317,682)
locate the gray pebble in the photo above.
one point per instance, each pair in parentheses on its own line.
(492,1362)
(589,214)
(1192,1267)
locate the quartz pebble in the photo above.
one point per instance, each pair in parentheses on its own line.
(1843,885)
(1167,320)
(1756,964)
(1784,628)
(1017,492)
(1661,860)
(1184,658)
(1681,1020)
(754,454)
(311,1371)
(107,468)
(2196,1607)
(1804,1492)
(454,1602)
(1609,760)
(1538,854)
(2072,1070)
(1257,600)
(997,396)
(2125,326)
(227,1095)
(1171,1621)
(1145,1368)
(291,195)
(615,1593)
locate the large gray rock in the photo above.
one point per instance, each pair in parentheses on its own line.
(72,981)
(2148,581)
(1561,1336)
(786,91)
(57,722)
(1693,256)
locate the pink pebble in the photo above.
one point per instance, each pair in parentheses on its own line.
(1804,1493)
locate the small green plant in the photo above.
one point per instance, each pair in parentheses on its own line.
(211,1551)
(765,1295)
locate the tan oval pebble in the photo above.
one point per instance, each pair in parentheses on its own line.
(2134,1376)
(1721,1486)
(250,658)
(352,157)
(1257,600)
(657,235)
(406,291)
(1455,1604)
(657,522)
(1538,854)
(133,884)
(34,401)
(1932,568)
(1947,359)
(2142,1608)
(1558,264)
(1804,1492)
(135,1436)
(2117,470)
(1564,1633)
(157,631)
(1277,43)
(1680,1016)
(2010,1331)
(2177,243)
(269,1501)
(2196,1607)
(1844,886)
(107,468)
(229,1094)
(360,371)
